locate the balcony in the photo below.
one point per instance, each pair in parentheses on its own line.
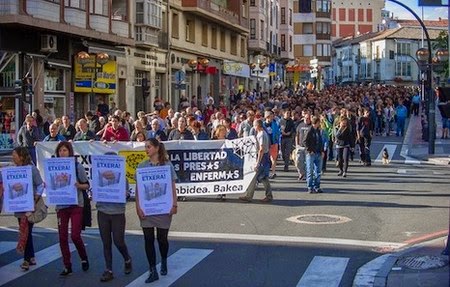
(100,23)
(323,14)
(323,36)
(9,7)
(324,59)
(43,10)
(214,12)
(120,27)
(146,36)
(75,17)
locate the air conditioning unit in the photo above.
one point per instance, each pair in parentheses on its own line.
(49,43)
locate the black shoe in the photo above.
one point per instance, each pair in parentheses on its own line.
(344,174)
(128,267)
(310,190)
(107,276)
(85,265)
(163,266)
(318,190)
(66,271)
(286,168)
(272,176)
(340,173)
(153,276)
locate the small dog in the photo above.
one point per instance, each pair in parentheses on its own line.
(385,156)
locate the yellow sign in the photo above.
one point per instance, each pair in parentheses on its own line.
(132,160)
(101,79)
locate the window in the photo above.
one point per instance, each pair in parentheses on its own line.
(323,6)
(252,2)
(190,30)
(147,13)
(244,9)
(323,28)
(304,6)
(233,45)
(80,4)
(99,7)
(283,42)
(290,43)
(283,15)
(214,37)
(262,4)
(403,69)
(243,47)
(307,28)
(205,34)
(403,48)
(308,51)
(290,17)
(271,15)
(252,29)
(175,25)
(261,36)
(323,50)
(222,41)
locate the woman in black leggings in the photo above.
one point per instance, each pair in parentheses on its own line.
(344,142)
(157,157)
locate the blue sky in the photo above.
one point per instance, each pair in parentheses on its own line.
(430,13)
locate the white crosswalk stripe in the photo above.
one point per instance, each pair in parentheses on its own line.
(324,272)
(12,271)
(178,264)
(6,246)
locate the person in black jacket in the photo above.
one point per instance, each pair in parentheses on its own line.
(314,153)
(344,144)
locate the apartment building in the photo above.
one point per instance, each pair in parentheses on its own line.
(41,40)
(208,49)
(351,17)
(312,39)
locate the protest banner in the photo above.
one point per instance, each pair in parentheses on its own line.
(203,167)
(108,179)
(154,185)
(18,189)
(60,178)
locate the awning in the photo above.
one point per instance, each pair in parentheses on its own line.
(110,50)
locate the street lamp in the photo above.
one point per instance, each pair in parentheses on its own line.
(194,65)
(83,58)
(257,67)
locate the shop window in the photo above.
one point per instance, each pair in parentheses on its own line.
(54,80)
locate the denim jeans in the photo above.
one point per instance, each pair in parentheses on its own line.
(313,170)
(400,126)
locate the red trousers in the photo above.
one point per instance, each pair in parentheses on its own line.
(75,215)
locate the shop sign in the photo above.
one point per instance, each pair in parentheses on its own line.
(236,69)
(92,77)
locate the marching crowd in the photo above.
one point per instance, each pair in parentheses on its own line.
(307,127)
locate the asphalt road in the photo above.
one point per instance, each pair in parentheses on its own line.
(254,244)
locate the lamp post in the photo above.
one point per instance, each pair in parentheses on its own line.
(83,58)
(257,67)
(194,65)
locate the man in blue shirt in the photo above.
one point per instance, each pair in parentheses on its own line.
(416,104)
(402,113)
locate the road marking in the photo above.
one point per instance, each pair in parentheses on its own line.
(391,150)
(6,246)
(256,237)
(324,272)
(426,237)
(178,264)
(12,271)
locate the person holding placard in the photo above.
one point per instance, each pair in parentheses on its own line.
(74,213)
(22,157)
(158,157)
(111,216)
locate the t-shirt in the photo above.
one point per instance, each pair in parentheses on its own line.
(263,139)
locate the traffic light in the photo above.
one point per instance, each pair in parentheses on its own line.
(145,88)
(27,87)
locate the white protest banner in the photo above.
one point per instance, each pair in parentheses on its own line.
(60,177)
(203,167)
(18,189)
(108,178)
(154,185)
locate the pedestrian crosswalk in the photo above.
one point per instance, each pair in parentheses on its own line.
(187,264)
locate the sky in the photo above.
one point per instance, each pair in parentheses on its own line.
(430,13)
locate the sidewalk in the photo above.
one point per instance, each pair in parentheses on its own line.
(418,149)
(420,266)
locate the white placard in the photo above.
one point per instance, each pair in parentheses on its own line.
(108,178)
(155,189)
(18,189)
(60,178)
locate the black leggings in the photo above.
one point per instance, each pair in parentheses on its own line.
(149,237)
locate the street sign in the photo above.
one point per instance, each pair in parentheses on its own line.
(180,76)
(180,86)
(433,3)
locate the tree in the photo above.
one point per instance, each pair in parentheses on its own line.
(441,42)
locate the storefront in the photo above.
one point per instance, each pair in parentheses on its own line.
(234,78)
(56,87)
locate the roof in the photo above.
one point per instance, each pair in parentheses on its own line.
(411,33)
(351,40)
(441,23)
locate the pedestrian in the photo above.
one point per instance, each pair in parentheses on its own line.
(287,136)
(343,145)
(28,136)
(416,104)
(22,157)
(313,143)
(401,113)
(262,167)
(72,213)
(302,128)
(114,131)
(54,135)
(111,221)
(67,129)
(84,134)
(364,134)
(157,156)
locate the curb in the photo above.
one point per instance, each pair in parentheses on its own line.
(375,273)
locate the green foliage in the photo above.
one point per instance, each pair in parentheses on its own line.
(441,42)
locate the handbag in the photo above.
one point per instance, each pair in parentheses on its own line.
(40,212)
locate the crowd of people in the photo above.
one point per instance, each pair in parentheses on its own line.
(306,128)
